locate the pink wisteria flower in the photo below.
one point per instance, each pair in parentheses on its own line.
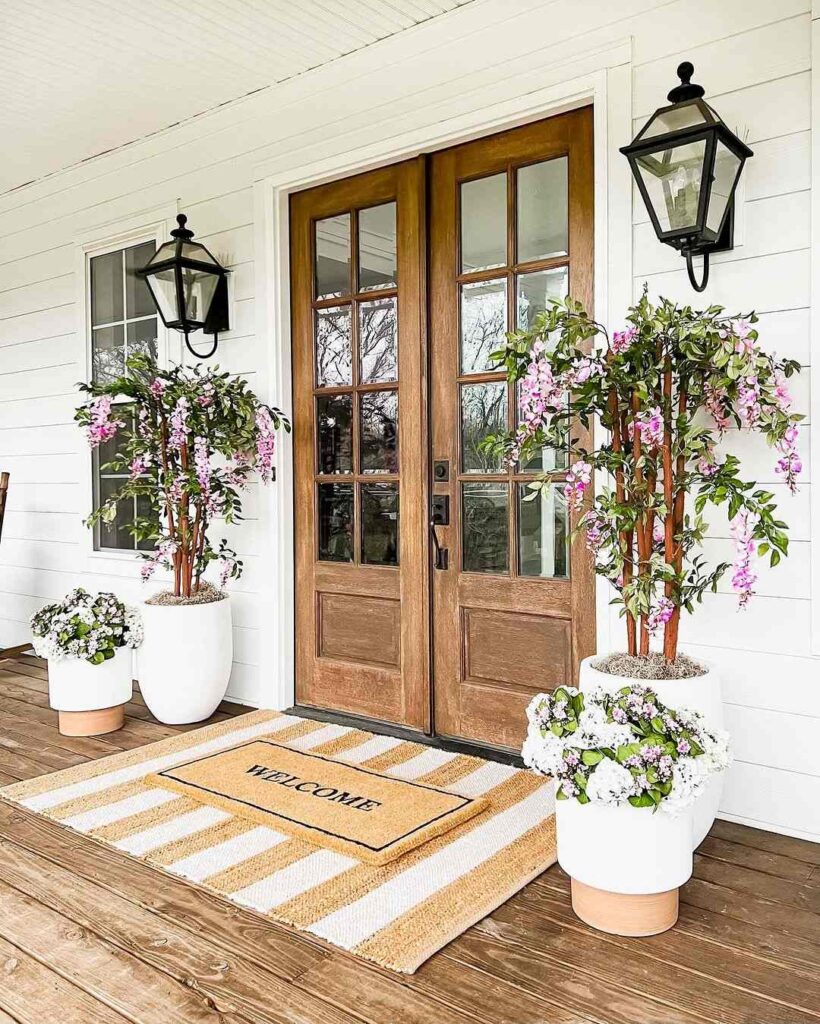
(157,387)
(744,575)
(101,426)
(622,340)
(265,444)
(162,555)
(744,344)
(179,424)
(583,371)
(660,614)
(789,465)
(716,401)
(578,478)
(649,425)
(202,464)
(748,400)
(139,465)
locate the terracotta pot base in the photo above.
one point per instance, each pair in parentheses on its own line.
(92,723)
(625,914)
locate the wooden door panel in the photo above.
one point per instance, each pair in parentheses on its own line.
(513,610)
(360,443)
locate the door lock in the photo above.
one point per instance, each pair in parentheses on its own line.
(440,510)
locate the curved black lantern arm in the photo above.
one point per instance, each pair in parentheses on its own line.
(690,270)
(201,355)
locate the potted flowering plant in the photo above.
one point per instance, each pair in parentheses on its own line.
(88,639)
(666,390)
(190,440)
(628,771)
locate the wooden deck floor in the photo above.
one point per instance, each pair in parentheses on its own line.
(87,935)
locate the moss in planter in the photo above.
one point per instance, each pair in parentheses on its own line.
(650,666)
(206,594)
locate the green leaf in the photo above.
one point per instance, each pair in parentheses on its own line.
(591,757)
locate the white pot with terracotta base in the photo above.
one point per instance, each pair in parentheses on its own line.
(700,693)
(626,864)
(184,663)
(90,699)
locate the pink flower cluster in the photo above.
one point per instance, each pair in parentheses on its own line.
(163,554)
(101,427)
(206,397)
(265,444)
(139,465)
(741,329)
(541,392)
(716,406)
(595,527)
(578,478)
(157,387)
(179,424)
(744,576)
(622,340)
(748,400)
(582,371)
(649,425)
(202,464)
(789,465)
(660,614)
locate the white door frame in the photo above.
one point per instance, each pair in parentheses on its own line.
(603,78)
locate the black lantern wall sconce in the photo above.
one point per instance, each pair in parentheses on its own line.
(189,287)
(687,164)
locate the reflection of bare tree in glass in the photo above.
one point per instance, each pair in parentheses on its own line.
(485,528)
(380,524)
(336,522)
(335,414)
(483,412)
(377,341)
(380,432)
(333,354)
(483,323)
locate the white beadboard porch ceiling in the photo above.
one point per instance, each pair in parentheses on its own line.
(79,77)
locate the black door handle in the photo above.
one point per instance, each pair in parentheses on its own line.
(441,556)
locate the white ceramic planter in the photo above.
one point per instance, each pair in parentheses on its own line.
(78,690)
(184,663)
(626,864)
(700,693)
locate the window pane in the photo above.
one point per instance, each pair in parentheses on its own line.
(542,210)
(379,432)
(333,256)
(483,412)
(377,247)
(116,534)
(483,323)
(106,288)
(335,432)
(107,353)
(138,301)
(536,290)
(543,533)
(485,527)
(484,223)
(336,522)
(378,338)
(380,524)
(334,355)
(142,337)
(145,511)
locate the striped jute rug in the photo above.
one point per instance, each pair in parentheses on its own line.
(397,914)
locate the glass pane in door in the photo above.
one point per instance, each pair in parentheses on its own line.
(542,210)
(483,323)
(332,267)
(484,525)
(484,223)
(543,532)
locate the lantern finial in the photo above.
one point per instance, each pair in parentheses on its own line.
(182,231)
(686,90)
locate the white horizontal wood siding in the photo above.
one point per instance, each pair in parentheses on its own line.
(754,59)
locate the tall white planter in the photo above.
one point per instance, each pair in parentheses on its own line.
(700,693)
(90,698)
(626,864)
(184,663)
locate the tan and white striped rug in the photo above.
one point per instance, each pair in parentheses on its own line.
(396,915)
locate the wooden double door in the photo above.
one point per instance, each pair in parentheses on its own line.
(432,590)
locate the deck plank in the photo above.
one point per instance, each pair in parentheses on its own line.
(88,934)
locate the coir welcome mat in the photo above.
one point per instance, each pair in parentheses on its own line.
(343,807)
(396,914)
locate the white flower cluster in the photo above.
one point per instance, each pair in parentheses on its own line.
(89,627)
(624,747)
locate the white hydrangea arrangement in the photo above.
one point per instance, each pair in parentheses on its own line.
(90,627)
(624,747)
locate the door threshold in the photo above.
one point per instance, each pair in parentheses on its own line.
(400,732)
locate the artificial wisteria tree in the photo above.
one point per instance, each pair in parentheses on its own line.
(189,440)
(668,390)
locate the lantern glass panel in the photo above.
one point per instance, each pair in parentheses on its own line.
(165,252)
(194,251)
(673,178)
(163,288)
(726,172)
(674,119)
(198,288)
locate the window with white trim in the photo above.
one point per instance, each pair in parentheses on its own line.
(123,321)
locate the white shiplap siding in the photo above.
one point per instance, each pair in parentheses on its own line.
(753,57)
